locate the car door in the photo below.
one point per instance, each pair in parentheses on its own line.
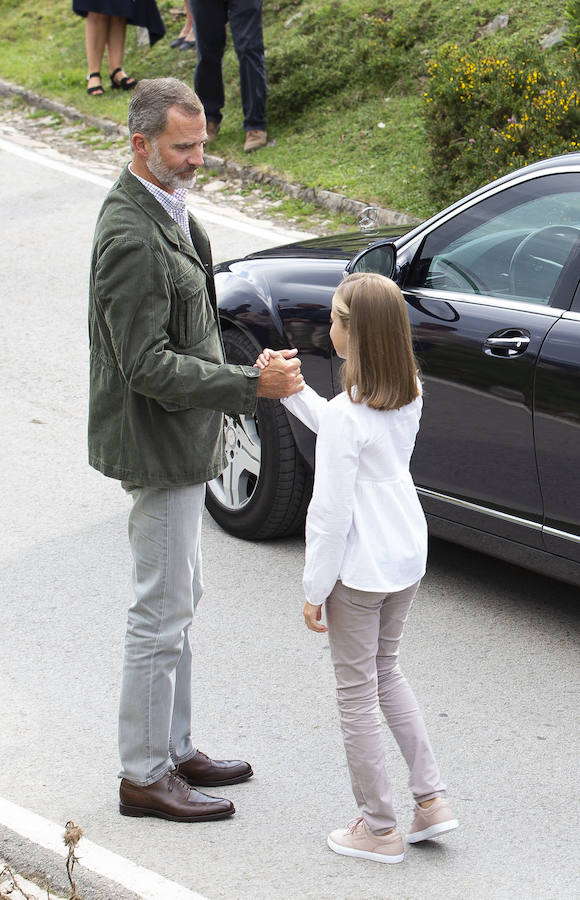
(484,288)
(557,429)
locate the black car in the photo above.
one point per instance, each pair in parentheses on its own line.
(492,289)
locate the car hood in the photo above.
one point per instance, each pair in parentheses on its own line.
(336,246)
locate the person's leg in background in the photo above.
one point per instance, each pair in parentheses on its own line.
(189,37)
(186,37)
(210,33)
(245,17)
(96,32)
(116,52)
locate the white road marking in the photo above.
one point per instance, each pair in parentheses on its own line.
(55,164)
(272,234)
(143,882)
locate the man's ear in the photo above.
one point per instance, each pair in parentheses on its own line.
(140,144)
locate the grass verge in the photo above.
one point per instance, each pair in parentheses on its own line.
(346,81)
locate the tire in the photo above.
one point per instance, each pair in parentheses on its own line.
(265,490)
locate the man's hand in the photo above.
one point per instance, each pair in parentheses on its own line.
(280,374)
(312,618)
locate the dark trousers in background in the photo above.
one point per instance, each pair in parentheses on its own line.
(245,18)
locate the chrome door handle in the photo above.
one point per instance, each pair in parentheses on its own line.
(506,344)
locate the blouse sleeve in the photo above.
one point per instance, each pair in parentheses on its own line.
(307,406)
(331,509)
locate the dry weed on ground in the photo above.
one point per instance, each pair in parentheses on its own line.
(11,889)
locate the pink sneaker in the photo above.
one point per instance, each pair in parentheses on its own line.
(358,840)
(431,822)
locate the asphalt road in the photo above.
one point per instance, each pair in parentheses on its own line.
(490,649)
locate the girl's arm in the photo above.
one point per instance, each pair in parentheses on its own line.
(330,512)
(306,406)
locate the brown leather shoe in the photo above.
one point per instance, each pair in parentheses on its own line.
(254,140)
(171,798)
(206,772)
(212,129)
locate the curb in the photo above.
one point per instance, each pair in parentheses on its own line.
(69,112)
(330,200)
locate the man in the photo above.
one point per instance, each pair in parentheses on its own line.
(158,386)
(245,18)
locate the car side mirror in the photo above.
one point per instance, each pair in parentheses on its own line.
(379,258)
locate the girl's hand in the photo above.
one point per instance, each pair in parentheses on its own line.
(264,359)
(312,617)
(266,355)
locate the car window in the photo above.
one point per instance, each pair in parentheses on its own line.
(513,244)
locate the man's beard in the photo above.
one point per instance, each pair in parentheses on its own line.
(169,178)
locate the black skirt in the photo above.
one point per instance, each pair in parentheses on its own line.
(137,12)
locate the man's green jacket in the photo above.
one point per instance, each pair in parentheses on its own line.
(158,381)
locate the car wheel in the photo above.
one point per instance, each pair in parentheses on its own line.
(265,489)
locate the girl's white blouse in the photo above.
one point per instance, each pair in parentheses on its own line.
(365,525)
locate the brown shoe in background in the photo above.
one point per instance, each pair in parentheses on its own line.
(255,140)
(171,798)
(205,772)
(212,129)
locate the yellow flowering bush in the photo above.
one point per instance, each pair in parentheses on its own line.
(487,114)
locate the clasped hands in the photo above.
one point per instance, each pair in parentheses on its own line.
(279,373)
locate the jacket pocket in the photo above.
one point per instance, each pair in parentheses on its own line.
(191,314)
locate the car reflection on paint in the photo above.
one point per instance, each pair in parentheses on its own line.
(492,291)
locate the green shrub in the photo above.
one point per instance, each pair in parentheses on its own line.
(487,114)
(572,33)
(572,14)
(363,48)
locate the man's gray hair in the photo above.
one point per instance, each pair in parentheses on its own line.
(151,100)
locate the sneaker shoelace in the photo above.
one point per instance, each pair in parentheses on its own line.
(354,824)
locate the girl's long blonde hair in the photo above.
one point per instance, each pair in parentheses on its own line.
(380,368)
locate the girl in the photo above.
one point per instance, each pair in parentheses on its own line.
(366,548)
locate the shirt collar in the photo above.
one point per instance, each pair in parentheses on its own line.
(176,199)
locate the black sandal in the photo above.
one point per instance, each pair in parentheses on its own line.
(127,83)
(98,89)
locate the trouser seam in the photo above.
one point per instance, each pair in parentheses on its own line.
(159,623)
